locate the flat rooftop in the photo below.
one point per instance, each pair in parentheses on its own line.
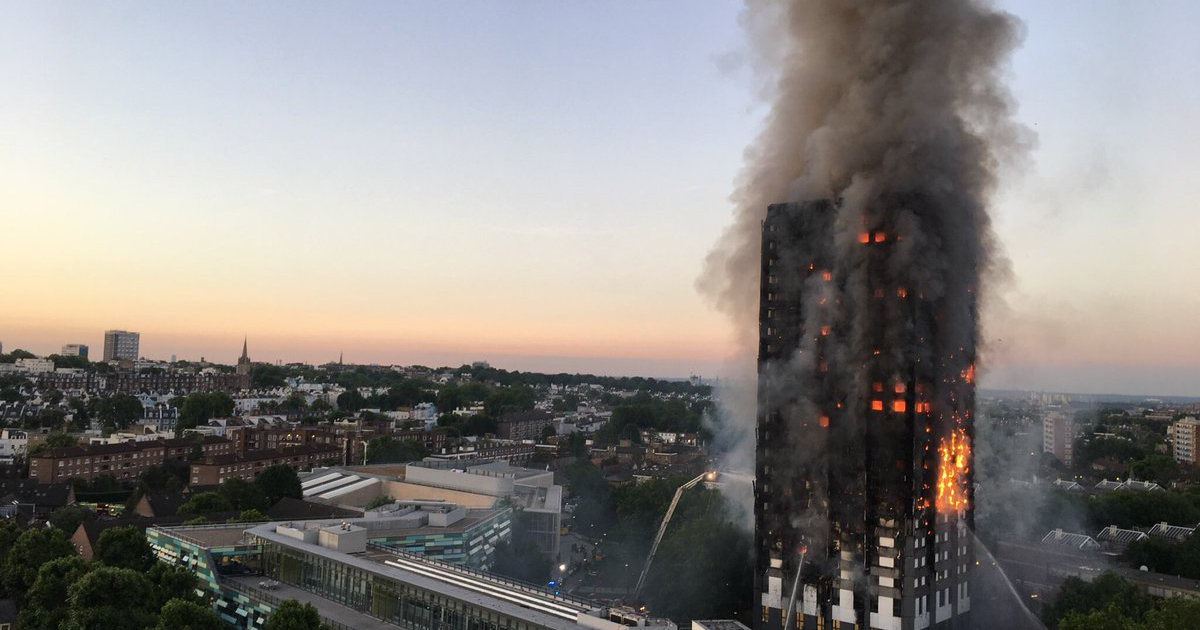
(507,598)
(327,608)
(209,536)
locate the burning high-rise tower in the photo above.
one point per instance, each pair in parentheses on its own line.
(865,395)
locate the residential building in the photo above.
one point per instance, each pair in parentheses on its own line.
(523,425)
(248,569)
(74,350)
(34,365)
(121,345)
(1058,436)
(1185,437)
(216,469)
(13,444)
(125,461)
(514,453)
(864,428)
(141,382)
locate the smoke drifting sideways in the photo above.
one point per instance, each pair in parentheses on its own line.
(871,101)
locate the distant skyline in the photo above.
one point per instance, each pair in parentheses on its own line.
(535,184)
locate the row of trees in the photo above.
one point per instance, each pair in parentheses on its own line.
(234,494)
(644,411)
(1111,603)
(122,588)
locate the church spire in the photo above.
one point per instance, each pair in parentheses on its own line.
(245,353)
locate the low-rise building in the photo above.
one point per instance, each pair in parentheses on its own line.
(247,570)
(523,425)
(125,461)
(216,469)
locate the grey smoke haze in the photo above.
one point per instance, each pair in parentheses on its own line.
(874,101)
(868,97)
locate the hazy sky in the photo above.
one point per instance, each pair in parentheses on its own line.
(534,183)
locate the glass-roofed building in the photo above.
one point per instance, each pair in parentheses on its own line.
(245,570)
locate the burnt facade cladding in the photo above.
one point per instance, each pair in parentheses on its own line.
(864,427)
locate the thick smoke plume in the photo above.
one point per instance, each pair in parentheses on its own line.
(896,110)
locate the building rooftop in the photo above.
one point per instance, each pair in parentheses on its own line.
(508,598)
(1059,538)
(1114,534)
(1171,532)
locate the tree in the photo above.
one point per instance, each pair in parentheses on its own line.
(351,400)
(112,599)
(32,549)
(44,609)
(60,440)
(292,615)
(243,495)
(249,516)
(17,353)
(205,502)
(124,547)
(9,532)
(172,582)
(68,518)
(53,397)
(547,433)
(264,375)
(379,501)
(1156,467)
(117,411)
(385,449)
(279,481)
(577,444)
(178,614)
(1077,599)
(198,408)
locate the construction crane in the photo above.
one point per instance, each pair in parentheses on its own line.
(662,529)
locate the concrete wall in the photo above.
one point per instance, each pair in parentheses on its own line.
(402,491)
(455,480)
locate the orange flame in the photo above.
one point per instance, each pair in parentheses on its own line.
(954,461)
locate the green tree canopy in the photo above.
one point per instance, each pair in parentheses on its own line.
(292,615)
(249,516)
(198,408)
(351,400)
(32,549)
(179,614)
(204,503)
(124,547)
(117,411)
(385,449)
(243,495)
(110,598)
(44,607)
(172,582)
(1108,593)
(277,482)
(68,517)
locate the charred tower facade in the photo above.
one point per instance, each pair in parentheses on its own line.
(863,496)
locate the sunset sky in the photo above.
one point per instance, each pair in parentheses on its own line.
(535,184)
